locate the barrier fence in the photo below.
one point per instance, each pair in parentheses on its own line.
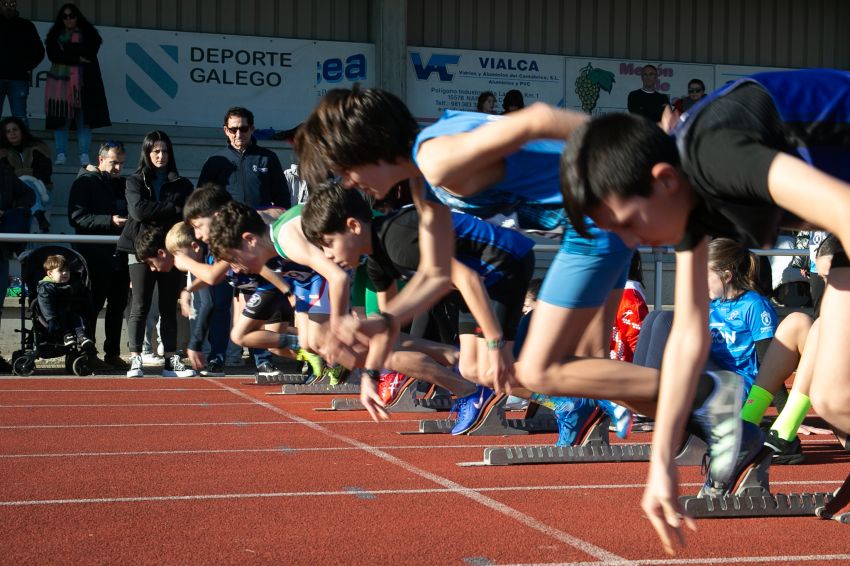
(658,253)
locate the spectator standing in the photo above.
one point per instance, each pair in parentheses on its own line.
(97,205)
(512,102)
(646,101)
(21,51)
(155,197)
(74,92)
(486,102)
(251,174)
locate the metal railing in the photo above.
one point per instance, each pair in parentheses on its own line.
(658,253)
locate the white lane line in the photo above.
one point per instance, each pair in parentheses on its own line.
(174,389)
(712,560)
(109,405)
(231,423)
(266,495)
(518,516)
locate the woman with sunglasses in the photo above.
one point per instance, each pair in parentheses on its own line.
(155,197)
(696,92)
(74,93)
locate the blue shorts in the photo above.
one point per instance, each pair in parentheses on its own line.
(586,270)
(311,295)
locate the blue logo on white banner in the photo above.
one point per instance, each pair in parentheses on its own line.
(436,64)
(147,81)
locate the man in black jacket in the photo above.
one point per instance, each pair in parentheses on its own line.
(21,51)
(97,205)
(251,174)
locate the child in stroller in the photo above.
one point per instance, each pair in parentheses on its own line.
(57,304)
(62,302)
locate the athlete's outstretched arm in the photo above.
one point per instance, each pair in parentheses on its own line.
(451,161)
(684,357)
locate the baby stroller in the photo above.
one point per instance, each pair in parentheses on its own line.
(38,342)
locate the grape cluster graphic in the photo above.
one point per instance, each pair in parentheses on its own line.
(588,84)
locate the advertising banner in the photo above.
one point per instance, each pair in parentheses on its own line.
(599,86)
(438,79)
(190,79)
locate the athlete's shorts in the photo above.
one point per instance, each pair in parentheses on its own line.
(267,304)
(311,294)
(506,299)
(586,270)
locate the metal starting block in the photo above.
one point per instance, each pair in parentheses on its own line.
(753,498)
(410,400)
(594,448)
(839,501)
(495,423)
(322,387)
(293,378)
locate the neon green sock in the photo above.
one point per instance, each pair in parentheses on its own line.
(791,417)
(756,405)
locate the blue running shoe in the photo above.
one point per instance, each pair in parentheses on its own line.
(470,409)
(575,418)
(752,445)
(621,417)
(719,423)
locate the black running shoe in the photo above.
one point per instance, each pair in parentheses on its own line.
(786,452)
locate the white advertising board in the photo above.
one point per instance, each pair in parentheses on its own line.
(190,79)
(438,79)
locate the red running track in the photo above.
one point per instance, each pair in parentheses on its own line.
(200,471)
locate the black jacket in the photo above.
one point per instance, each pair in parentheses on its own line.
(93,94)
(72,296)
(21,49)
(144,211)
(254,177)
(95,198)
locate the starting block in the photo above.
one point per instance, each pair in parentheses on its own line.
(289,378)
(322,387)
(408,401)
(752,498)
(495,423)
(595,447)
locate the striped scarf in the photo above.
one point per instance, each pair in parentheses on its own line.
(62,96)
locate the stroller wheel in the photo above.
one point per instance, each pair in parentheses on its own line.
(23,366)
(81,366)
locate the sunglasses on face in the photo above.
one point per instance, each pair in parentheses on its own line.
(694,90)
(240,129)
(67,16)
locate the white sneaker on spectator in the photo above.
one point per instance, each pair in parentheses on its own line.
(174,367)
(152,359)
(60,159)
(136,367)
(84,159)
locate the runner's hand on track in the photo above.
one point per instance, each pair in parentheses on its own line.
(661,504)
(370,399)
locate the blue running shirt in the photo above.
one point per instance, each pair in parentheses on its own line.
(736,325)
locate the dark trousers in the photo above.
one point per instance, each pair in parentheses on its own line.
(110,285)
(168,284)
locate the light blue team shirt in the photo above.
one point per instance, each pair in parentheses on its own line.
(736,325)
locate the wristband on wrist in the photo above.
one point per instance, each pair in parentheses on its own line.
(372,374)
(497,344)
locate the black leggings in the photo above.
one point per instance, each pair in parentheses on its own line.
(143,281)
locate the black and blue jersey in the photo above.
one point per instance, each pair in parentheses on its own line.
(493,252)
